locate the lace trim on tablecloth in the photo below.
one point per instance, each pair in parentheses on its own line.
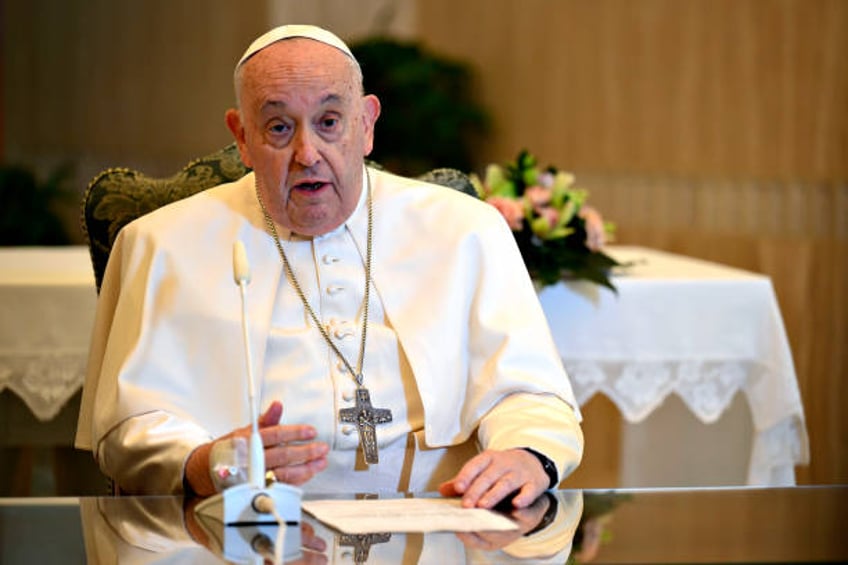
(707,388)
(45,382)
(639,388)
(776,451)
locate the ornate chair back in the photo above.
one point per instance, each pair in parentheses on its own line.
(117,196)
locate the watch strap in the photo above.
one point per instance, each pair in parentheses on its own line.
(547,465)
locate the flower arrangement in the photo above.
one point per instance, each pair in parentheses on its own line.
(559,236)
(595,527)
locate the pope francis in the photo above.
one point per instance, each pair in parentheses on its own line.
(397,338)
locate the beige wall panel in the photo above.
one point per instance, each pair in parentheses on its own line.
(136,83)
(747,88)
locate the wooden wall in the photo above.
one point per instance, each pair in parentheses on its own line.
(704,87)
(97,83)
(714,128)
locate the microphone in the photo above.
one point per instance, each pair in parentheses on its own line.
(241,268)
(252,503)
(256,463)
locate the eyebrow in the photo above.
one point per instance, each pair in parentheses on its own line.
(327,99)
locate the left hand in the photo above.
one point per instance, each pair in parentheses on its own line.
(488,477)
(525,519)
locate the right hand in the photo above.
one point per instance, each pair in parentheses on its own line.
(289,452)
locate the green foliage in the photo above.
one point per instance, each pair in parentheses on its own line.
(553,260)
(429,118)
(28,215)
(598,508)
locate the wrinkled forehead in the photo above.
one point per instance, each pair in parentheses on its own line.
(297,68)
(320,48)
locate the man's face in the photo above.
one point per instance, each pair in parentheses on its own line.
(304,127)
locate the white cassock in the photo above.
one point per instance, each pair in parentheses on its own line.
(457,344)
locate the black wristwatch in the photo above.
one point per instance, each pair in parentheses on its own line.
(547,465)
(549,516)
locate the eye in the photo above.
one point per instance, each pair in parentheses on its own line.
(330,123)
(278,128)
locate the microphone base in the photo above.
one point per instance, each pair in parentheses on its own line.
(235,505)
(231,519)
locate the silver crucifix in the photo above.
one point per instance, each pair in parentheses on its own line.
(362,543)
(366,417)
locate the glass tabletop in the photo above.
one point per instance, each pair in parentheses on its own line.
(710,525)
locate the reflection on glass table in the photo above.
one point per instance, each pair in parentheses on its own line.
(571,526)
(133,528)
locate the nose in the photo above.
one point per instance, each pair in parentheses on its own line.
(305,151)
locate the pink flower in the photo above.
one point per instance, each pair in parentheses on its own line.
(511,210)
(537,195)
(545,179)
(550,214)
(595,233)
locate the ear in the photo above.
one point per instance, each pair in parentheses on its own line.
(233,119)
(370,113)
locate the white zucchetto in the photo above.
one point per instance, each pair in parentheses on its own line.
(294,30)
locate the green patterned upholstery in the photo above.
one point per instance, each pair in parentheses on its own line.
(451,178)
(115,197)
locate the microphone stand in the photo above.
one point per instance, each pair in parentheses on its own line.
(252,504)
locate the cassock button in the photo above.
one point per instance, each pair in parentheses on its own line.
(347,430)
(341,367)
(329,259)
(334,289)
(347,395)
(342,333)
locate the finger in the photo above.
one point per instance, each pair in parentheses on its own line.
(272,415)
(313,558)
(483,487)
(448,488)
(295,454)
(299,474)
(469,472)
(470,539)
(529,515)
(488,490)
(528,494)
(276,435)
(309,540)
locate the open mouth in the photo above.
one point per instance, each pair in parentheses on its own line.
(309,186)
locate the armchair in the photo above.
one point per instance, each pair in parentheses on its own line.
(117,196)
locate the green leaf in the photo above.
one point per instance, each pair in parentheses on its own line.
(540,227)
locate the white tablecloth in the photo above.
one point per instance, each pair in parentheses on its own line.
(47,304)
(696,329)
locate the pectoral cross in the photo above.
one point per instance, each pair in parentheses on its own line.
(362,543)
(366,417)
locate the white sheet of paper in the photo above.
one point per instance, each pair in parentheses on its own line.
(405,515)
